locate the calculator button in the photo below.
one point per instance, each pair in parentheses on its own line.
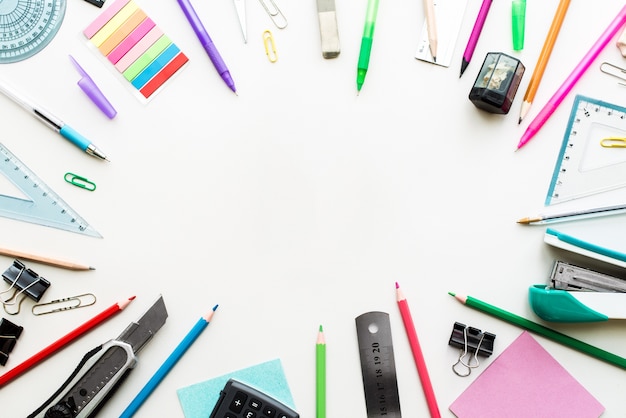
(284,415)
(269,412)
(255,404)
(229,415)
(249,414)
(236,405)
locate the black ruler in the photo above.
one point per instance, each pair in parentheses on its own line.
(378,366)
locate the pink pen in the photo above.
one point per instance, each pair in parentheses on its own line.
(573,78)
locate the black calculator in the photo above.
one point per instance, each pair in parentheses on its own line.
(238,400)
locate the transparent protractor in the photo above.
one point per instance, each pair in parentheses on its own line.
(28,26)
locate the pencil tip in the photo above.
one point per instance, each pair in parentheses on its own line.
(215,308)
(91,268)
(519,121)
(452,294)
(397,285)
(132,298)
(321,329)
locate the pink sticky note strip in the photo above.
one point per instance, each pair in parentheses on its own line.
(104,17)
(525,381)
(131,40)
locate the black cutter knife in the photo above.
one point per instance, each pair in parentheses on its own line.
(102,370)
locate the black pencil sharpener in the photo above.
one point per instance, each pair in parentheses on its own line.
(497,83)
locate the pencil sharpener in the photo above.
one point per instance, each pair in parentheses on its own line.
(497,83)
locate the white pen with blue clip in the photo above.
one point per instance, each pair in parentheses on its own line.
(54,123)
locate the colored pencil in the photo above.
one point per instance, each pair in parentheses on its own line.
(44,260)
(542,330)
(422,370)
(544,56)
(473,39)
(168,364)
(558,97)
(431,27)
(63,341)
(320,374)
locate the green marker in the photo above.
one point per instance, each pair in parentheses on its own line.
(366,42)
(518,21)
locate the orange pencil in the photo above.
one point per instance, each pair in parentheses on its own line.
(544,56)
(63,341)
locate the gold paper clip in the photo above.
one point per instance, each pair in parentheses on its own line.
(64,304)
(270,47)
(613,70)
(275,14)
(613,142)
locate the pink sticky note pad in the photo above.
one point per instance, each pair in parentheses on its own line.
(525,381)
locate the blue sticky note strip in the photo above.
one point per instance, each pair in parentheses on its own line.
(198,400)
(155,66)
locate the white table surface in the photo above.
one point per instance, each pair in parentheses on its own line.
(298,202)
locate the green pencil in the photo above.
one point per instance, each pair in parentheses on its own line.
(320,374)
(542,330)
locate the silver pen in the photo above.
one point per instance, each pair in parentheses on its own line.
(53,123)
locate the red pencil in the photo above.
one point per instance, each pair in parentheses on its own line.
(422,370)
(63,341)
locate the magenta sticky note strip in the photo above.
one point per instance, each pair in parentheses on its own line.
(131,40)
(104,17)
(525,381)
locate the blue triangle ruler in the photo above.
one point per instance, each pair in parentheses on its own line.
(583,166)
(43,206)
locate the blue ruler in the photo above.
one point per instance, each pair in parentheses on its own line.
(583,167)
(43,206)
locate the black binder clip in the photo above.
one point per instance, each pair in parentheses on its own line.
(22,282)
(473,343)
(9,333)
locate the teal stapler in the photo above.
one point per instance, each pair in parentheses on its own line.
(578,294)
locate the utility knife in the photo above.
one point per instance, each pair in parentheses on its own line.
(102,370)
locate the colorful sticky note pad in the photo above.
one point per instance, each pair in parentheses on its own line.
(526,381)
(136,47)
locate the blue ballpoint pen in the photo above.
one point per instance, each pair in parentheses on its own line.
(168,364)
(207,43)
(54,123)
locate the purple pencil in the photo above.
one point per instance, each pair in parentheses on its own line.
(473,39)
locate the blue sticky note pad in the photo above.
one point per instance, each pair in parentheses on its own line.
(198,400)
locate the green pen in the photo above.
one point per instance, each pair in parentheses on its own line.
(366,42)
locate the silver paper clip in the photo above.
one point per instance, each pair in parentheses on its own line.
(614,70)
(275,14)
(64,304)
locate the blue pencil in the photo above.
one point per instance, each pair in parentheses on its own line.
(168,364)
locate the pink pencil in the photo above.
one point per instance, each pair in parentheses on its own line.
(422,370)
(63,341)
(573,78)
